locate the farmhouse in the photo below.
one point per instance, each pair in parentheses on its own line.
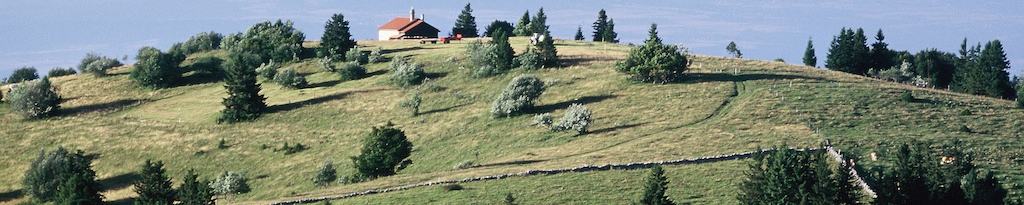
(407,28)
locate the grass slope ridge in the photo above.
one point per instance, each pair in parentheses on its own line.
(713,111)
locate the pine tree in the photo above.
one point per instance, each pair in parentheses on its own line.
(983,71)
(194,191)
(848,52)
(155,186)
(547,50)
(881,56)
(385,151)
(503,52)
(336,40)
(600,26)
(539,23)
(609,32)
(466,23)
(735,52)
(579,34)
(523,26)
(325,174)
(653,61)
(78,182)
(244,103)
(654,188)
(809,58)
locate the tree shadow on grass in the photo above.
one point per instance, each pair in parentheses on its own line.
(725,77)
(616,128)
(330,83)
(11,195)
(318,100)
(443,109)
(584,100)
(517,162)
(399,50)
(119,181)
(124,201)
(102,107)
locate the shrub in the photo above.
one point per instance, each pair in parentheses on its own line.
(200,42)
(907,97)
(577,117)
(268,70)
(96,64)
(23,74)
(407,75)
(351,71)
(497,53)
(396,63)
(35,99)
(327,64)
(58,71)
(355,54)
(543,120)
(964,128)
(352,178)
(509,199)
(518,96)
(222,144)
(60,176)
(278,41)
(452,187)
(463,165)
(385,152)
(292,149)
(155,69)
(529,60)
(43,176)
(965,112)
(376,55)
(413,103)
(483,72)
(291,79)
(653,61)
(325,174)
(230,183)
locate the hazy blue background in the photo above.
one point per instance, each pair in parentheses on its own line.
(47,33)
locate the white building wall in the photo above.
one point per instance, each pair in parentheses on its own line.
(386,34)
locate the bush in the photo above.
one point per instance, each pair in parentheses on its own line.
(268,70)
(483,72)
(385,152)
(518,96)
(497,53)
(201,42)
(61,176)
(529,60)
(907,97)
(351,71)
(194,191)
(355,54)
(325,174)
(96,64)
(965,112)
(58,71)
(407,75)
(653,61)
(376,55)
(577,117)
(396,63)
(155,69)
(291,79)
(964,128)
(23,74)
(292,149)
(230,183)
(35,99)
(452,187)
(43,175)
(413,103)
(543,120)
(278,41)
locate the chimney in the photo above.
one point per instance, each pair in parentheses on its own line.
(422,18)
(412,14)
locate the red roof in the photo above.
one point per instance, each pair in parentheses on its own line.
(401,24)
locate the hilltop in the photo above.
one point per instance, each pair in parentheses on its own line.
(724,106)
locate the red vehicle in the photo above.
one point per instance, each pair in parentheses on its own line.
(457,37)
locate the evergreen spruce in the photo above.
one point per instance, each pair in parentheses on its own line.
(809,58)
(336,40)
(579,34)
(849,52)
(194,191)
(654,188)
(155,186)
(498,24)
(502,52)
(244,103)
(547,50)
(983,71)
(539,23)
(78,182)
(465,24)
(385,151)
(523,26)
(881,56)
(609,32)
(653,61)
(600,26)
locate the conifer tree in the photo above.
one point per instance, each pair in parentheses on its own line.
(609,32)
(653,61)
(983,71)
(809,58)
(881,56)
(385,151)
(244,103)
(523,26)
(654,188)
(194,191)
(336,40)
(848,52)
(539,23)
(600,25)
(579,34)
(547,50)
(502,51)
(155,186)
(465,23)
(78,182)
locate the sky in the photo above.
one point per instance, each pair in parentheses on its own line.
(49,33)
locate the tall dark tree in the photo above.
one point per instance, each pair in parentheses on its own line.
(733,50)
(78,182)
(848,52)
(336,40)
(579,34)
(523,27)
(502,51)
(385,151)
(498,24)
(539,23)
(935,66)
(983,71)
(547,50)
(466,23)
(809,58)
(654,188)
(788,177)
(609,32)
(23,74)
(600,26)
(194,191)
(244,102)
(155,186)
(881,56)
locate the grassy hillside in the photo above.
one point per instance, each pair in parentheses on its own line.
(713,112)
